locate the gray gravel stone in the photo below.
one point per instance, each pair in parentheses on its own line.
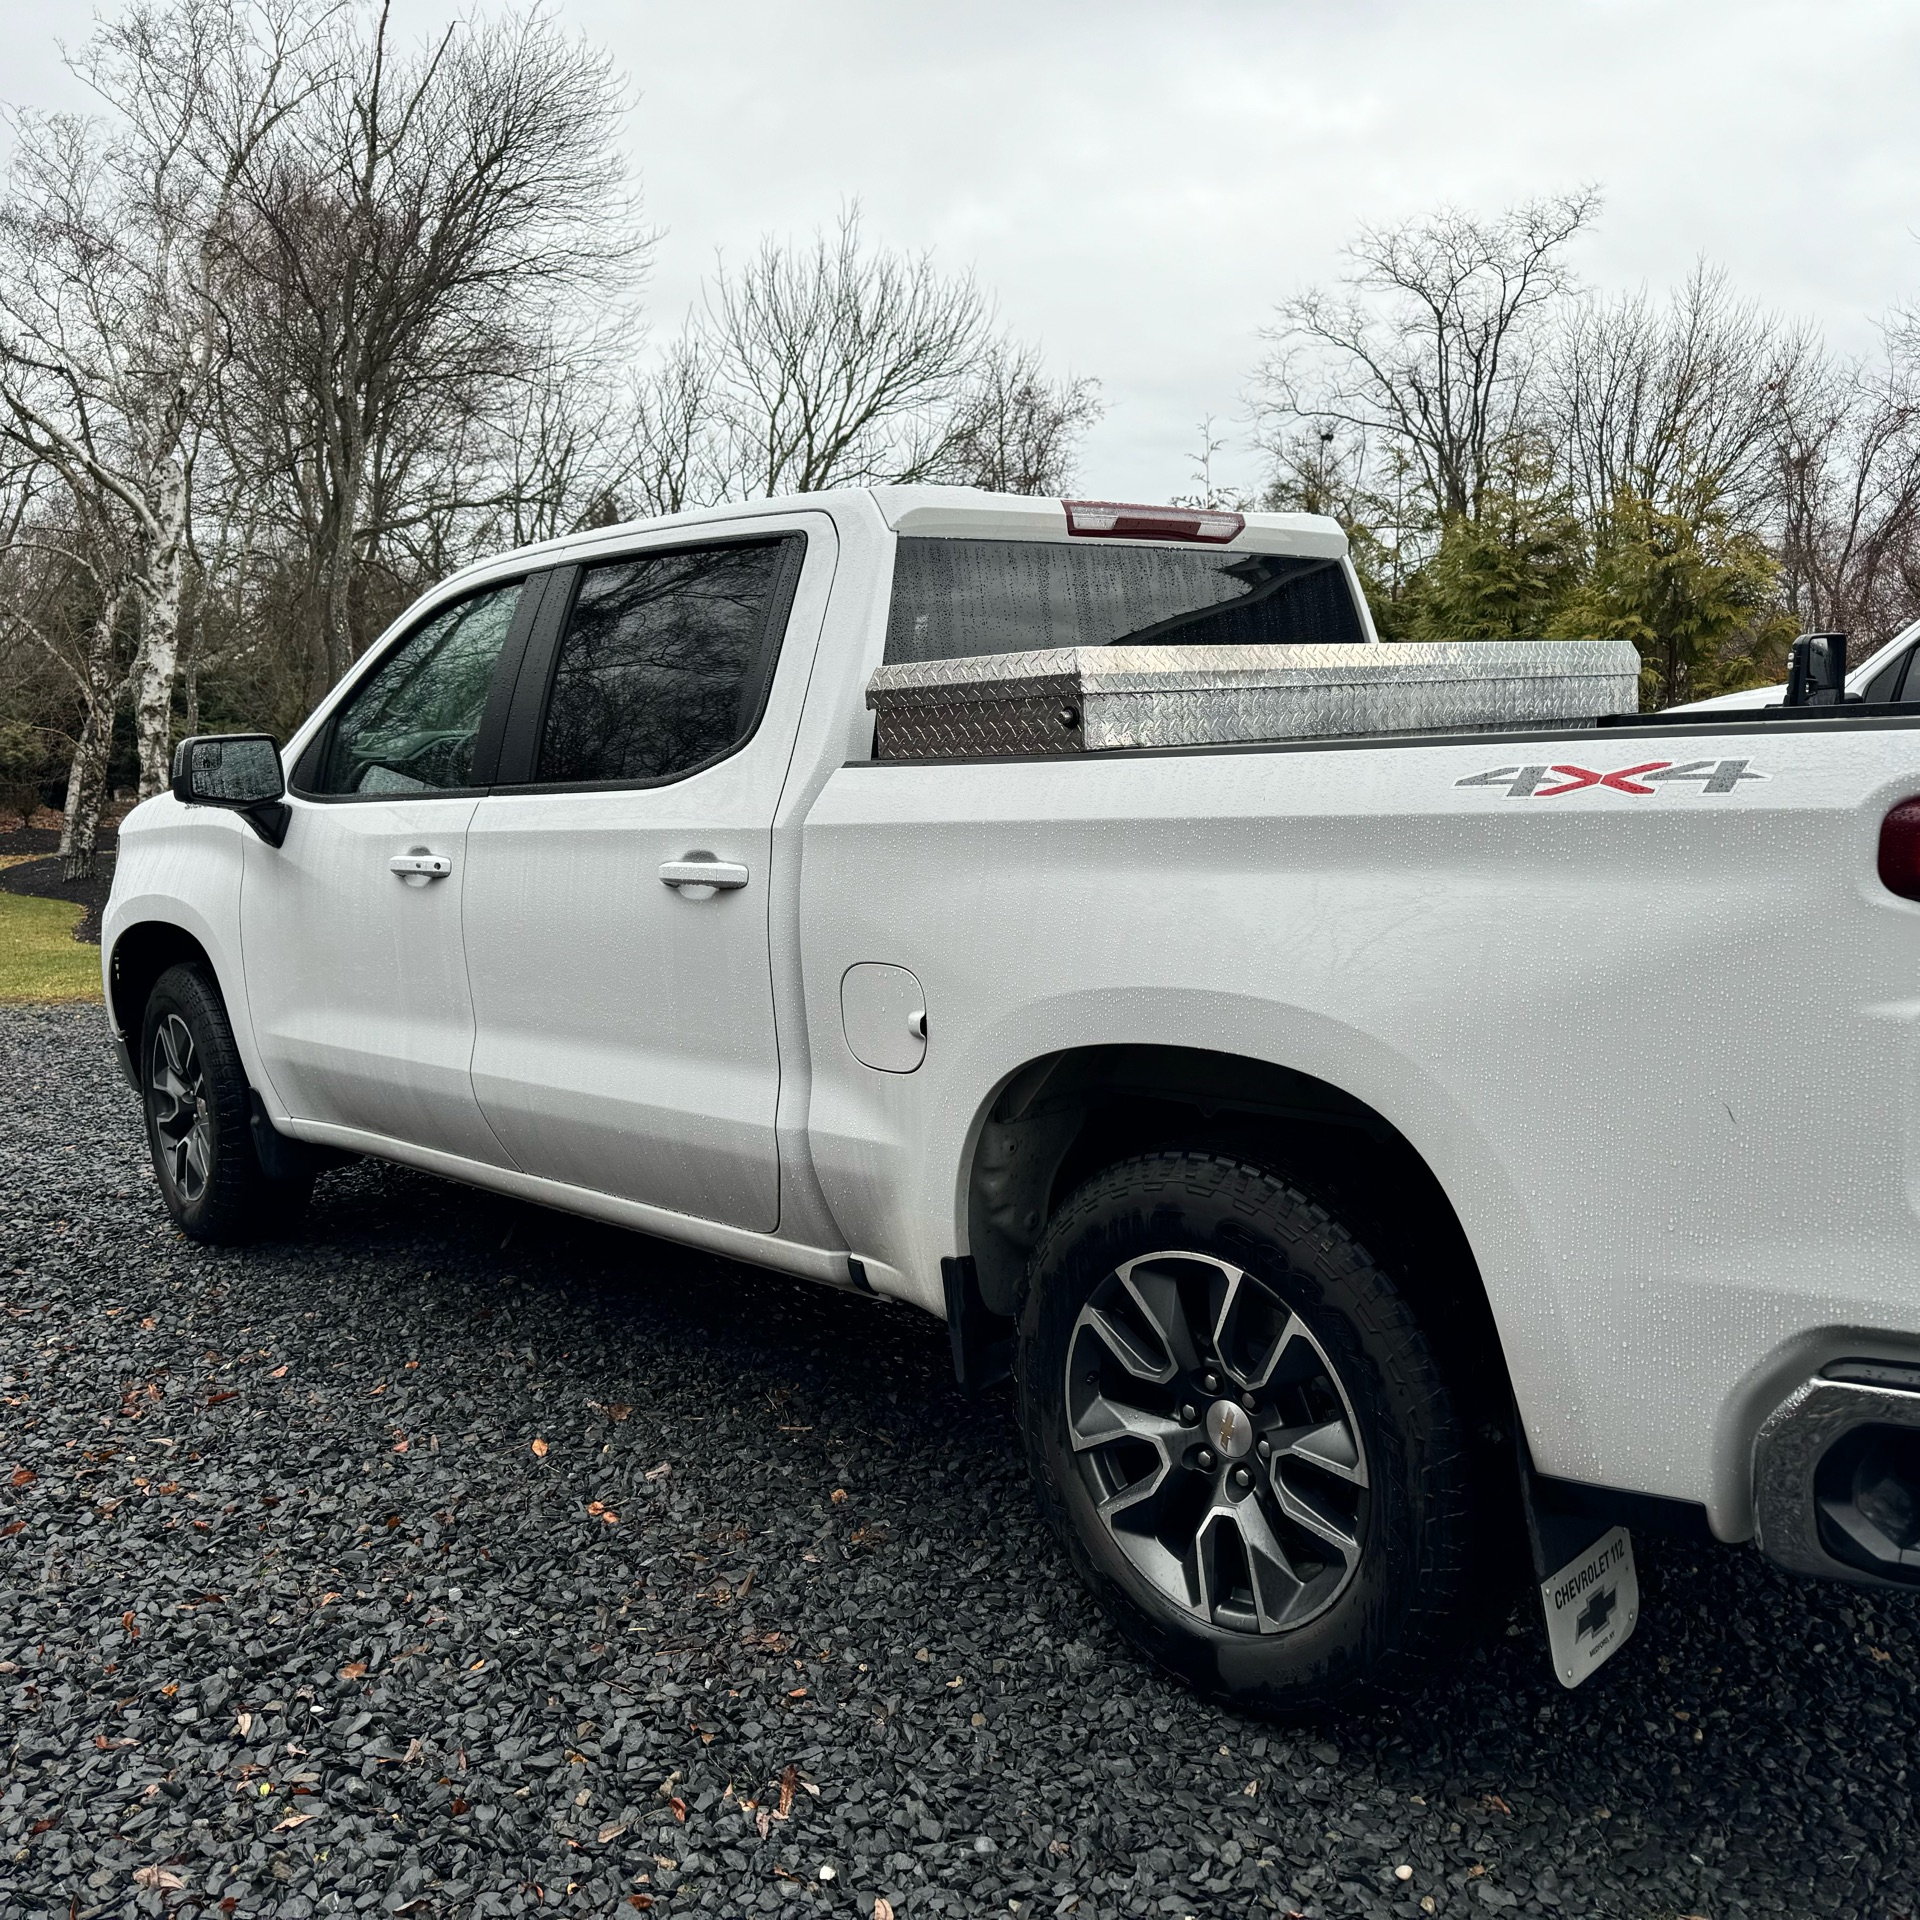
(294,1613)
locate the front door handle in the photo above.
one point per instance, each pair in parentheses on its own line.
(418,867)
(724,875)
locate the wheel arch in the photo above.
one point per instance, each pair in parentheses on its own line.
(141,953)
(1062,1116)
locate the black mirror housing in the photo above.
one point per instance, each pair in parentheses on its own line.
(237,770)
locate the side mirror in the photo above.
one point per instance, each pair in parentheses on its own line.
(1817,671)
(237,770)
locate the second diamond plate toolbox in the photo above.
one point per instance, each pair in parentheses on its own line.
(1094,699)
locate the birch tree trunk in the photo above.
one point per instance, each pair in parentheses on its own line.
(87,777)
(162,585)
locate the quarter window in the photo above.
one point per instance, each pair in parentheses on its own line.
(410,726)
(664,664)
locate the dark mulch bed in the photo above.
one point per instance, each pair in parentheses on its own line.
(40,878)
(313,1600)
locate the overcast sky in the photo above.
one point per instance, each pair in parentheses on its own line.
(1138,184)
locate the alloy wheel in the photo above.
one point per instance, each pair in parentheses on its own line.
(182,1111)
(1217,1441)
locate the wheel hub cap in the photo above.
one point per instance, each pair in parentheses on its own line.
(1230,1428)
(1249,1545)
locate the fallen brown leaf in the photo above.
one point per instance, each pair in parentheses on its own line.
(157,1878)
(353,1670)
(789,1777)
(293,1820)
(612,1831)
(839,1496)
(280,1372)
(215,1399)
(679,1807)
(661,1471)
(1494,1804)
(882,1907)
(539,1449)
(24,1476)
(640,1900)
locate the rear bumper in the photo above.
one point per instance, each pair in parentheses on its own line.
(1836,1475)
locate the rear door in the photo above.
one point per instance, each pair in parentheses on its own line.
(623,1001)
(356,978)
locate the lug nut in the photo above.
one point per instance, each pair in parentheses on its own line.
(1188,1415)
(1247,1401)
(1241,1477)
(1206,1459)
(1211,1383)
(1265,1447)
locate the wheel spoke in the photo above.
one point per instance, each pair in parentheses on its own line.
(1331,1447)
(1125,1345)
(1157,1295)
(1277,1586)
(1103,1421)
(1303,1513)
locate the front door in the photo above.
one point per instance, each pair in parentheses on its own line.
(356,977)
(623,1003)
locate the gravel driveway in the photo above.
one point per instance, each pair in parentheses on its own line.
(456,1558)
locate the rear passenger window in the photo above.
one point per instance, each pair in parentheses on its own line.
(665,661)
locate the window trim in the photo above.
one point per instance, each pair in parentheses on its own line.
(493,718)
(533,689)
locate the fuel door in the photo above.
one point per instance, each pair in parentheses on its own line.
(884,1014)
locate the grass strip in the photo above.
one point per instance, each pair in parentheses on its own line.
(39,957)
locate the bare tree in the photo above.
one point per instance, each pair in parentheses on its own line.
(1681,402)
(1848,479)
(835,363)
(1431,347)
(1016,429)
(400,260)
(110,333)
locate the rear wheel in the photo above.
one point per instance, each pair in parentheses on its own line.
(1240,1433)
(199,1117)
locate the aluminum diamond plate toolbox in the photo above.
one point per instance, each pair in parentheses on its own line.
(1093,699)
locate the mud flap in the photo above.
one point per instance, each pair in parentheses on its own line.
(1589,1586)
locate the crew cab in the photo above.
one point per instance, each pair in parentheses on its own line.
(1355,1147)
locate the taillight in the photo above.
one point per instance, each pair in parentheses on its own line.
(1115,520)
(1900,850)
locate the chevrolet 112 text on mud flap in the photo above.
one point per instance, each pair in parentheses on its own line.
(1381,1103)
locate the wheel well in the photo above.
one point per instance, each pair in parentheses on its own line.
(140,956)
(1064,1117)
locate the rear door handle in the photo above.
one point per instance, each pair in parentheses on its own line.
(418,867)
(722,874)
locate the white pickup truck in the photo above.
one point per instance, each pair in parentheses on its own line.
(1354,1146)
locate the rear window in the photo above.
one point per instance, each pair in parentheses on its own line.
(955,598)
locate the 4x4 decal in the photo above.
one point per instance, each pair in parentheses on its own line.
(1542,783)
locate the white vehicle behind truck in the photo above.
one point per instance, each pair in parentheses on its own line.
(1355,1146)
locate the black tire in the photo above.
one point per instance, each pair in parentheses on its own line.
(193,1089)
(1351,1430)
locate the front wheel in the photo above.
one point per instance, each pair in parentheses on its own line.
(199,1117)
(1240,1433)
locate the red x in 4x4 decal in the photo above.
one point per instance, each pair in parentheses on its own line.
(1621,782)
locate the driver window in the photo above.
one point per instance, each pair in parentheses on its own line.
(410,726)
